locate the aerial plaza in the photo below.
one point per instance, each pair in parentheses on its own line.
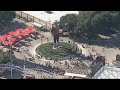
(34,49)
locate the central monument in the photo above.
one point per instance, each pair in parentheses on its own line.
(56,34)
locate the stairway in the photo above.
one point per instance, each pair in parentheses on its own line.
(76,70)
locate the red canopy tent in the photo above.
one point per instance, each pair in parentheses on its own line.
(19,30)
(8,43)
(32,30)
(5,36)
(12,39)
(23,33)
(29,31)
(2,39)
(18,36)
(30,27)
(12,33)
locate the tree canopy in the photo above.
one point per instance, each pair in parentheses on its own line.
(4,57)
(6,17)
(91,23)
(69,22)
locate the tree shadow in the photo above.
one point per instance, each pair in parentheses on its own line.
(13,26)
(15,74)
(112,42)
(32,65)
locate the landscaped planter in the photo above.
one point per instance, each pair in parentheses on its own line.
(67,51)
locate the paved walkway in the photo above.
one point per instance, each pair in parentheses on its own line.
(35,44)
(109,53)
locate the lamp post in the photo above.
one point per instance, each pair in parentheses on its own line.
(24,63)
(11,60)
(24,60)
(11,71)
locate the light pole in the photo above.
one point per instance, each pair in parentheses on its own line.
(11,60)
(24,64)
(24,67)
(11,71)
(24,60)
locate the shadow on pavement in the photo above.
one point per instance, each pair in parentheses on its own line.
(112,42)
(31,65)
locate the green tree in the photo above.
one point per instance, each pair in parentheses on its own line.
(102,22)
(6,17)
(70,20)
(83,27)
(4,57)
(91,23)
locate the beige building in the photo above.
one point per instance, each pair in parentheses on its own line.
(34,19)
(43,18)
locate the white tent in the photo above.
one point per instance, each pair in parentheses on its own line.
(38,25)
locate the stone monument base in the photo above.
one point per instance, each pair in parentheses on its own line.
(55,47)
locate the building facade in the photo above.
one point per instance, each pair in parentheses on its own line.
(33,19)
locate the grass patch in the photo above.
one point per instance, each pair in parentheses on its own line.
(65,51)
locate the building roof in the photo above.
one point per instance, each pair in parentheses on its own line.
(107,73)
(77,75)
(55,16)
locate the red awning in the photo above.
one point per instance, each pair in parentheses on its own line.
(8,43)
(32,30)
(20,30)
(23,33)
(29,31)
(8,38)
(2,39)
(12,39)
(11,33)
(5,36)
(18,36)
(30,27)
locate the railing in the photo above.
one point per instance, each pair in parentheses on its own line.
(9,67)
(33,19)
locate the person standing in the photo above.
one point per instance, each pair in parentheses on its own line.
(47,39)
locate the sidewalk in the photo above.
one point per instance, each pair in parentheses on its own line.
(109,53)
